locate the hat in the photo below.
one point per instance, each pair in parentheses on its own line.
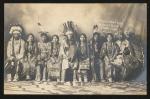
(15,30)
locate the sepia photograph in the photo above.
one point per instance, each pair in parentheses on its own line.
(75,49)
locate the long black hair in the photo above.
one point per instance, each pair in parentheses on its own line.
(86,43)
(111,36)
(34,44)
(56,37)
(46,35)
(57,44)
(83,34)
(98,39)
(30,34)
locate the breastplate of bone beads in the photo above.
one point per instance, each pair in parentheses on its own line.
(44,48)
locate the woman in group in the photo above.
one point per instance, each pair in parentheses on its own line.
(54,66)
(30,60)
(95,48)
(83,59)
(109,52)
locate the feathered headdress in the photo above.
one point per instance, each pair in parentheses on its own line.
(16,28)
(69,28)
(42,31)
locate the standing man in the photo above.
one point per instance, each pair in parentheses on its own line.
(63,55)
(15,53)
(97,66)
(68,53)
(68,56)
(109,52)
(72,56)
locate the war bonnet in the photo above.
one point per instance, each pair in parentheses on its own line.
(15,29)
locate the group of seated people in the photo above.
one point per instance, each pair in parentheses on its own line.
(108,58)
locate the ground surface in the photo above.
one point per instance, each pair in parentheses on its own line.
(118,88)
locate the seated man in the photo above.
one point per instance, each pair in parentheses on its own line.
(44,53)
(15,53)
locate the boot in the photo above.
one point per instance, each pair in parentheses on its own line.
(27,77)
(15,77)
(103,80)
(43,80)
(8,77)
(71,83)
(48,81)
(110,80)
(37,78)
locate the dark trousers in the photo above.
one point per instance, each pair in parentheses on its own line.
(15,69)
(96,70)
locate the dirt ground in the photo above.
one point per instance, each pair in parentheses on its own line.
(117,88)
